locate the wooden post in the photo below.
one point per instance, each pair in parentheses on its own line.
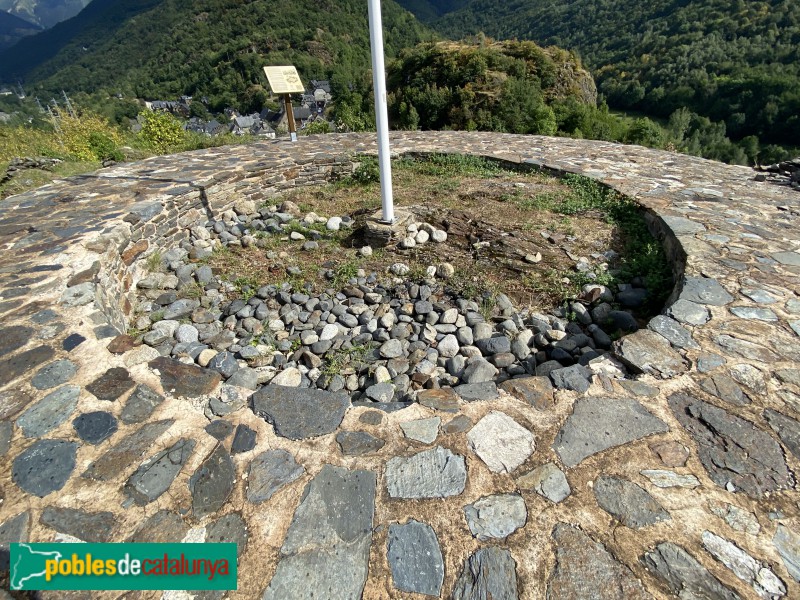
(287,104)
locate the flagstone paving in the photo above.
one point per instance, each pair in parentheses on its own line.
(678,483)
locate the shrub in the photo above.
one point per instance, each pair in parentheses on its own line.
(88,137)
(161,131)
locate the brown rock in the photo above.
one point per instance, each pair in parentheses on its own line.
(458,425)
(672,454)
(111,384)
(444,399)
(185,380)
(85,276)
(131,253)
(122,343)
(536,391)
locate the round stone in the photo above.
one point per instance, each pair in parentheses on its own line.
(392,349)
(439,235)
(94,427)
(186,334)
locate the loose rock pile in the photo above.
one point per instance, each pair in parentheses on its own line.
(18,165)
(380,338)
(786,172)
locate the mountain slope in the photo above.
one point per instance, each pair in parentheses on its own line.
(13,29)
(44,13)
(213,48)
(735,60)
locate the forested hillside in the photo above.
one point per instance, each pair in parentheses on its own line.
(13,29)
(731,60)
(215,48)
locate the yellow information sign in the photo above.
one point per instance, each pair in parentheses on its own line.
(284,80)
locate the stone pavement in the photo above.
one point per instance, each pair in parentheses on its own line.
(680,483)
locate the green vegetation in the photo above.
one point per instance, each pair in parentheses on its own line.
(346,357)
(734,63)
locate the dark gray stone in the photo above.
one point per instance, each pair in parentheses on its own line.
(490,573)
(380,392)
(49,412)
(689,312)
(180,308)
(788,430)
(479,370)
(299,414)
(387,407)
(127,451)
(54,374)
(725,388)
(245,378)
(154,477)
(496,516)
(12,531)
(14,338)
(244,439)
(707,361)
(72,341)
(219,429)
(179,379)
(111,384)
(230,529)
(733,451)
(212,482)
(701,290)
(648,352)
(638,388)
(597,424)
(494,345)
(269,472)
(585,569)
(632,297)
(87,526)
(103,332)
(673,331)
(94,427)
(684,576)
(44,466)
(434,473)
(576,378)
(619,321)
(327,546)
(224,363)
(471,392)
(358,443)
(628,502)
(140,405)
(415,558)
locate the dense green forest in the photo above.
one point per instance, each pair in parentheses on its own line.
(161,49)
(733,61)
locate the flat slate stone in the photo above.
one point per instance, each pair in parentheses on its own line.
(788,430)
(754,313)
(95,427)
(6,432)
(358,443)
(127,451)
(300,413)
(422,430)
(575,377)
(219,429)
(702,290)
(649,352)
(228,529)
(140,404)
(189,381)
(16,365)
(13,530)
(111,384)
(49,412)
(94,527)
(44,466)
(673,331)
(536,391)
(787,258)
(496,516)
(585,569)
(72,341)
(733,451)
(434,473)
(415,558)
(597,424)
(787,543)
(471,392)
(14,337)
(154,477)
(212,483)
(387,407)
(546,480)
(102,332)
(327,546)
(708,361)
(244,439)
(269,472)
(689,312)
(724,388)
(638,388)
(12,401)
(744,566)
(627,502)
(163,527)
(669,479)
(458,424)
(444,399)
(684,575)
(501,442)
(489,573)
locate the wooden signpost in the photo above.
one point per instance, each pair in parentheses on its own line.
(286,81)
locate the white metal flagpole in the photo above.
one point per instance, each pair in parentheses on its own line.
(381,112)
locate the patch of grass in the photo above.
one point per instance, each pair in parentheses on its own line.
(155,263)
(246,287)
(193,291)
(454,165)
(344,272)
(344,357)
(366,173)
(157,316)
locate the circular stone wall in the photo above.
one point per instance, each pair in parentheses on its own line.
(643,487)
